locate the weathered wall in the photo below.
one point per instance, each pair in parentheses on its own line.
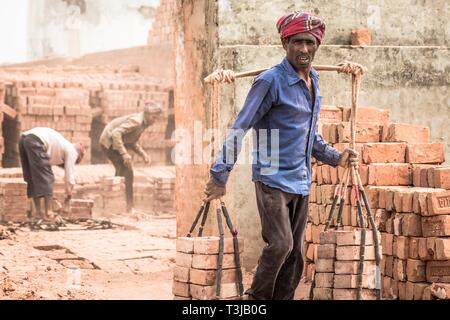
(77,27)
(402,22)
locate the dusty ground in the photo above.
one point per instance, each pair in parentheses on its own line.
(131,261)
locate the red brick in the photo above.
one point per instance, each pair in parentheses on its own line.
(325,265)
(442,249)
(440,290)
(228,290)
(426,248)
(368,115)
(413,252)
(437,226)
(442,178)
(352,253)
(402,247)
(326,251)
(348,238)
(387,289)
(389,266)
(324,280)
(416,270)
(365,132)
(330,114)
(386,243)
(208,277)
(349,281)
(352,267)
(394,174)
(411,225)
(361,37)
(328,237)
(402,290)
(181,289)
(438,271)
(439,203)
(425,153)
(350,294)
(185,244)
(399,132)
(384,152)
(418,290)
(399,270)
(322,294)
(308,233)
(181,274)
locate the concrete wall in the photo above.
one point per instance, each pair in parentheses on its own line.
(402,22)
(77,27)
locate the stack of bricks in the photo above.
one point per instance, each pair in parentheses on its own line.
(44,102)
(196,267)
(79,101)
(80,209)
(13,200)
(162,30)
(114,198)
(338,256)
(401,172)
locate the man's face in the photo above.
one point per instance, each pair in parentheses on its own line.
(151,118)
(300,50)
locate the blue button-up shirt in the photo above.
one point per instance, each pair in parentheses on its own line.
(280,110)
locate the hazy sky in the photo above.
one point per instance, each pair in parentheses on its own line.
(13,31)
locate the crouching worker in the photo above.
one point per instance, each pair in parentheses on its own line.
(39,149)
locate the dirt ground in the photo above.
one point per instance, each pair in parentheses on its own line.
(134,260)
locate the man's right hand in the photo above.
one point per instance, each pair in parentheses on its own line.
(127,160)
(214,190)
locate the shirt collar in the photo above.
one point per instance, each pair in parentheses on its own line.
(293,77)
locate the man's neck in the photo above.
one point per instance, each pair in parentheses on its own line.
(304,74)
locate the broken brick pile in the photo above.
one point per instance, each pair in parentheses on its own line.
(102,193)
(195,273)
(406,190)
(338,256)
(79,101)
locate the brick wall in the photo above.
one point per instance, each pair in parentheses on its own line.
(79,102)
(163,28)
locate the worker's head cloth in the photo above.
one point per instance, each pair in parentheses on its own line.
(299,22)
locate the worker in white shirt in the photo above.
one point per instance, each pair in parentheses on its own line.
(39,149)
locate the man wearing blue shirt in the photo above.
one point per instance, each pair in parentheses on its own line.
(282,107)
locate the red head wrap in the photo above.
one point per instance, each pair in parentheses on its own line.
(299,22)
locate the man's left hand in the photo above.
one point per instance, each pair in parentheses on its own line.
(349,157)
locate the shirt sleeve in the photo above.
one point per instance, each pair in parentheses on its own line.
(258,103)
(69,166)
(117,133)
(324,152)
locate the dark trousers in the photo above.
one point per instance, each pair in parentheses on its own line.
(36,167)
(283,222)
(122,171)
